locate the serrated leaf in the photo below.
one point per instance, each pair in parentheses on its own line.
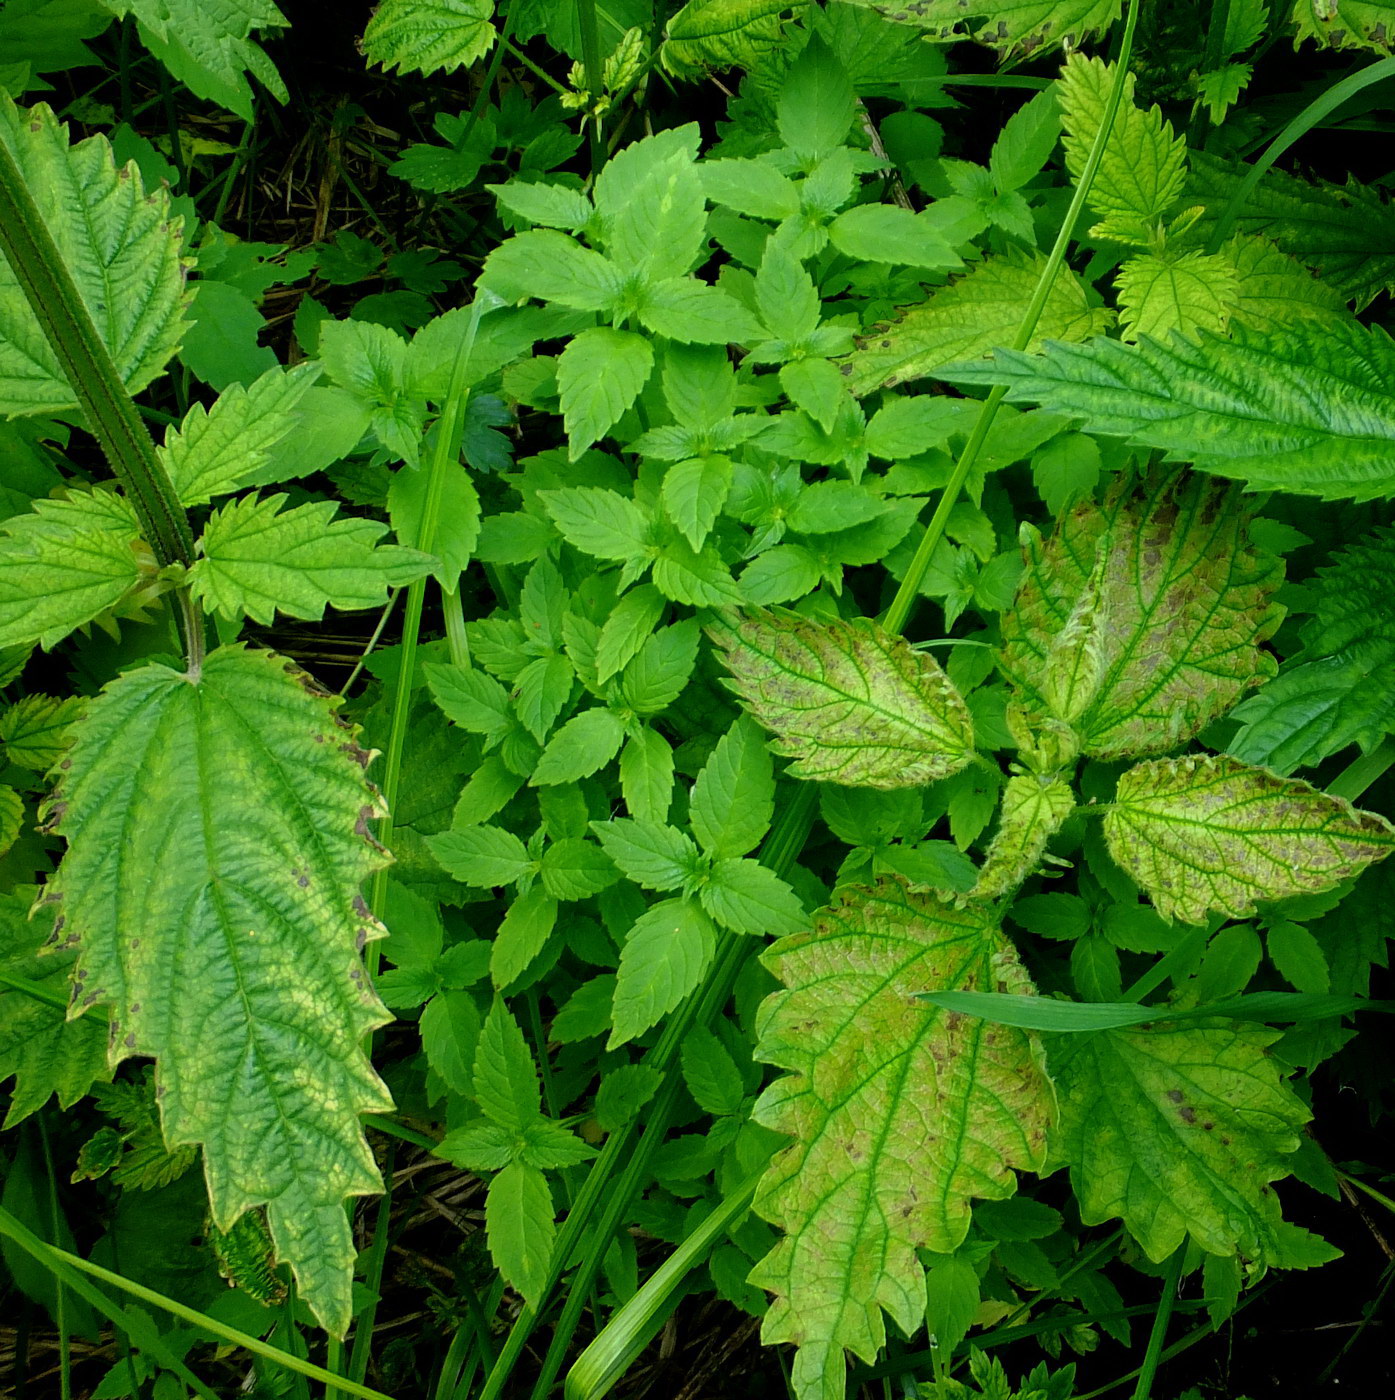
(652,855)
(553,206)
(422,36)
(37,729)
(217,449)
(49,1056)
(1275,290)
(1207,833)
(1010,26)
(121,246)
(1182,292)
(694,493)
(259,559)
(1143,165)
(1346,24)
(733,801)
(552,267)
(206,45)
(1177,1130)
(1138,622)
(710,1072)
(472,700)
(483,856)
(57,581)
(506,1076)
(1033,811)
(970,317)
(582,746)
(899,1117)
(450,1032)
(1340,689)
(847,701)
(746,896)
(253,888)
(646,775)
(521,1228)
(666,954)
(722,34)
(600,374)
(598,522)
(523,933)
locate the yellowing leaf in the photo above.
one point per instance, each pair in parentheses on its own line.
(1177,1130)
(1347,24)
(1032,813)
(970,317)
(849,702)
(1139,622)
(1144,165)
(901,1113)
(217,830)
(1011,26)
(1177,293)
(1207,834)
(121,245)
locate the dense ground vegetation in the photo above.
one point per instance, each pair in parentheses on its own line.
(685,690)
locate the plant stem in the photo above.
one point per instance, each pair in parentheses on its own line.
(595,79)
(899,612)
(1361,772)
(1153,1356)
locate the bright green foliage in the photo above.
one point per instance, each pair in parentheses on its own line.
(1274,290)
(421,36)
(1178,1130)
(1144,164)
(1340,689)
(848,702)
(1347,24)
(1308,410)
(259,559)
(37,729)
(249,889)
(1033,810)
(1137,623)
(246,1258)
(1210,834)
(600,374)
(141,1161)
(722,33)
(121,246)
(49,1057)
(900,1115)
(1345,234)
(1011,26)
(1177,292)
(207,45)
(218,449)
(970,317)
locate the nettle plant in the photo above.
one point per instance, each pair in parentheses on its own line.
(1019,901)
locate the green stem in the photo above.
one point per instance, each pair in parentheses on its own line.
(595,78)
(33,989)
(1361,772)
(70,1268)
(1153,1356)
(899,612)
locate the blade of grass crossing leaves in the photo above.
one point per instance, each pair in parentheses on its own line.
(900,610)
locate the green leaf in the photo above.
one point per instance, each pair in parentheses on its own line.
(1346,24)
(206,45)
(899,1117)
(1298,956)
(646,775)
(693,313)
(552,267)
(371,362)
(1275,290)
(661,669)
(521,1228)
(121,246)
(49,1056)
(655,856)
(631,620)
(554,206)
(697,577)
(1340,689)
(1177,292)
(694,493)
(218,449)
(582,746)
(1207,833)
(710,1073)
(970,317)
(1026,142)
(600,374)
(659,229)
(573,869)
(253,887)
(450,1031)
(1033,811)
(746,896)
(471,699)
(483,856)
(666,954)
(259,559)
(884,233)
(422,36)
(817,103)
(1177,1130)
(1308,409)
(457,517)
(1140,621)
(1014,27)
(506,1077)
(733,801)
(751,187)
(523,933)
(598,522)
(722,34)
(847,701)
(37,729)
(1143,166)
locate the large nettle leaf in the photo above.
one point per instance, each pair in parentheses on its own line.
(1310,409)
(121,246)
(849,702)
(1206,833)
(420,36)
(217,829)
(48,1055)
(900,1114)
(1138,622)
(1340,689)
(1012,26)
(1178,1130)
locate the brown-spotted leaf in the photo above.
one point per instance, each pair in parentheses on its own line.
(1207,833)
(900,1112)
(1032,812)
(1138,622)
(848,701)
